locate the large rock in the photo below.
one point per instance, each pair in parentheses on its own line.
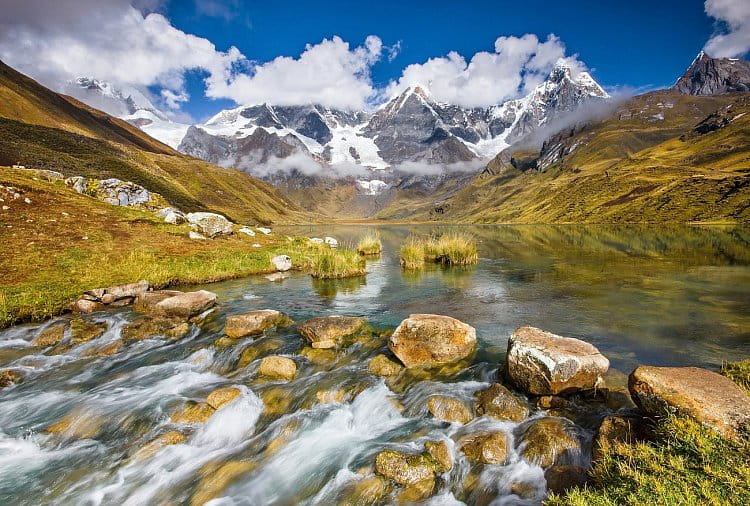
(210,224)
(550,441)
(282,262)
(327,332)
(405,469)
(51,335)
(428,340)
(252,323)
(449,409)
(486,448)
(498,402)
(542,363)
(221,396)
(169,303)
(278,368)
(705,396)
(155,326)
(172,215)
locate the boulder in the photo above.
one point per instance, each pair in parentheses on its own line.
(146,302)
(247,231)
(196,236)
(210,224)
(486,448)
(403,468)
(276,367)
(9,377)
(221,396)
(705,396)
(449,409)
(78,183)
(193,412)
(381,365)
(252,323)
(560,479)
(82,331)
(550,441)
(542,363)
(172,215)
(329,331)
(282,263)
(176,305)
(427,340)
(51,334)
(332,242)
(85,306)
(498,402)
(441,454)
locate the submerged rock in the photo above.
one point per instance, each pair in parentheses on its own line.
(498,402)
(276,277)
(367,491)
(560,479)
(83,331)
(78,424)
(151,327)
(106,350)
(193,412)
(51,334)
(381,365)
(251,323)
(549,441)
(426,340)
(281,262)
(221,396)
(707,397)
(9,377)
(416,492)
(542,363)
(173,437)
(329,331)
(486,448)
(449,409)
(216,477)
(276,367)
(210,224)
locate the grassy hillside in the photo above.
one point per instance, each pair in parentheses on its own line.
(632,167)
(43,129)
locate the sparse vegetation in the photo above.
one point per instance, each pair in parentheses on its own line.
(449,249)
(370,245)
(739,372)
(328,263)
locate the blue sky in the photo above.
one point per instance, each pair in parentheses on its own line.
(197,57)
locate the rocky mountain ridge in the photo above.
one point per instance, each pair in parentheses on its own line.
(714,76)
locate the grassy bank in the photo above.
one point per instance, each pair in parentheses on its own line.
(62,243)
(449,249)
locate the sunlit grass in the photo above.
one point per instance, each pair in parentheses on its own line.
(739,372)
(336,263)
(449,249)
(370,245)
(412,254)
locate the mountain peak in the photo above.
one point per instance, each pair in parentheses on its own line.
(714,76)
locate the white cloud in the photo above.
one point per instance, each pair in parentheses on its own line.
(330,73)
(517,65)
(734,39)
(172,99)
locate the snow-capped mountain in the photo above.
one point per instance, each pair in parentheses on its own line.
(411,128)
(714,76)
(127,103)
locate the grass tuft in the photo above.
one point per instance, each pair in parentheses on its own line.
(370,245)
(328,263)
(450,249)
(412,254)
(739,372)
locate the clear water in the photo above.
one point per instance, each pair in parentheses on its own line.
(642,295)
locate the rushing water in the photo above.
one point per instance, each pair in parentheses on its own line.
(663,296)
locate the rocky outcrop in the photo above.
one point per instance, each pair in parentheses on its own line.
(498,402)
(427,340)
(486,448)
(714,76)
(705,396)
(172,215)
(252,323)
(116,192)
(210,224)
(449,409)
(278,368)
(329,331)
(281,263)
(542,363)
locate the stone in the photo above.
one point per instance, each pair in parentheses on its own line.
(172,215)
(78,424)
(440,453)
(329,331)
(276,401)
(9,377)
(560,479)
(707,397)
(107,350)
(51,334)
(221,396)
(193,412)
(330,396)
(416,492)
(146,302)
(332,242)
(277,277)
(449,409)
(276,367)
(381,365)
(615,429)
(252,323)
(427,340)
(282,263)
(550,441)
(486,448)
(263,230)
(498,402)
(367,491)
(403,468)
(78,183)
(216,477)
(542,363)
(196,236)
(154,326)
(210,224)
(128,291)
(83,306)
(184,304)
(82,331)
(247,231)
(524,490)
(173,437)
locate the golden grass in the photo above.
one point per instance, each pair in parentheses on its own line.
(370,245)
(449,249)
(324,262)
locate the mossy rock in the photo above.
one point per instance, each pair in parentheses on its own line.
(486,448)
(499,402)
(416,492)
(193,412)
(405,469)
(51,335)
(549,441)
(82,330)
(449,409)
(381,365)
(441,454)
(150,327)
(277,368)
(9,377)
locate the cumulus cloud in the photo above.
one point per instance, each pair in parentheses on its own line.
(734,20)
(107,39)
(331,73)
(515,67)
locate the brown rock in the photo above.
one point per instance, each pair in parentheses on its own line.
(276,367)
(51,335)
(524,490)
(221,396)
(549,441)
(147,301)
(486,448)
(705,396)
(78,424)
(173,437)
(542,363)
(82,331)
(553,402)
(440,453)
(252,323)
(193,412)
(150,326)
(426,340)
(449,409)
(186,305)
(276,401)
(328,332)
(560,479)
(381,365)
(217,477)
(107,350)
(84,306)
(9,377)
(403,468)
(498,402)
(367,491)
(416,492)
